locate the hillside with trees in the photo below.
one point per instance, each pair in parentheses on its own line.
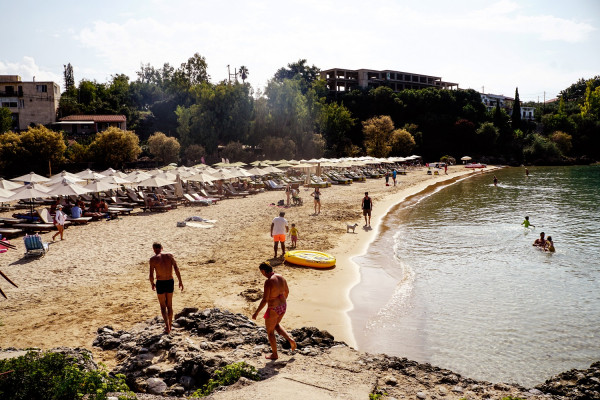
(176,114)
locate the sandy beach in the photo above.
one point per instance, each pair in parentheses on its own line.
(98,275)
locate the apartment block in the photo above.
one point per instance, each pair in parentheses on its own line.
(31,103)
(490,101)
(82,125)
(345,80)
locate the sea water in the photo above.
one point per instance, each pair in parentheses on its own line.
(453,278)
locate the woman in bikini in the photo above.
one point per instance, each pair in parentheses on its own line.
(317,195)
(275,295)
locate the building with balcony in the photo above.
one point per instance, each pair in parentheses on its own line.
(31,103)
(490,101)
(345,80)
(81,125)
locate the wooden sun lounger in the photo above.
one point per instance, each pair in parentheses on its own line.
(35,227)
(79,221)
(10,232)
(120,210)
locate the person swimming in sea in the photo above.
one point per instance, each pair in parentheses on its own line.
(526,223)
(495,181)
(549,245)
(541,242)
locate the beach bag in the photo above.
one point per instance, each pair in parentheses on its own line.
(281,202)
(181,224)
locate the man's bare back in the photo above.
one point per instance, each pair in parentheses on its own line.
(163,264)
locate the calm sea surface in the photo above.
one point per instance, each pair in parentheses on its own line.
(453,278)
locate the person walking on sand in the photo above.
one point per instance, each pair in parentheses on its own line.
(394,174)
(279,227)
(288,194)
(317,195)
(446,168)
(59,221)
(275,297)
(367,206)
(164,264)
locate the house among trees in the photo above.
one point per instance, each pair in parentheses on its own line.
(81,125)
(506,103)
(31,103)
(345,80)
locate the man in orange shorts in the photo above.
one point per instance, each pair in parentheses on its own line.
(279,227)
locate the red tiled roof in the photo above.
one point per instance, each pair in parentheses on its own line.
(95,118)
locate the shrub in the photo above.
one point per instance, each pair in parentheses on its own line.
(226,376)
(54,376)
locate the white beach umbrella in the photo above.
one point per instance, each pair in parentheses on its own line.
(166,175)
(223,174)
(29,192)
(257,171)
(155,182)
(31,177)
(113,172)
(5,193)
(241,173)
(98,186)
(137,176)
(67,188)
(59,178)
(36,186)
(465,158)
(116,180)
(89,175)
(6,184)
(201,177)
(272,170)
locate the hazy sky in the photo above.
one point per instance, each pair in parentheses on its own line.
(495,46)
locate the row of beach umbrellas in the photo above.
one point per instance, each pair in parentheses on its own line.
(32,185)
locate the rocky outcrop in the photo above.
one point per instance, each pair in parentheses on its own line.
(205,340)
(201,342)
(575,384)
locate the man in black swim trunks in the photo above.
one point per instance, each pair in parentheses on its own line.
(164,264)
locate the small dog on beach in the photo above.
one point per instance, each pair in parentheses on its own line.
(353,227)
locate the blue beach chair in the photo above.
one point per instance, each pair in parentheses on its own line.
(34,246)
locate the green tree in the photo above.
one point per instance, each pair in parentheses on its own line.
(244,73)
(6,121)
(591,102)
(487,135)
(164,148)
(277,148)
(114,147)
(378,131)
(300,71)
(402,143)
(563,141)
(335,123)
(193,154)
(516,112)
(234,151)
(69,77)
(10,153)
(42,148)
(541,150)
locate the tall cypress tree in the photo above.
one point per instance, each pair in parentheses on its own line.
(516,112)
(69,77)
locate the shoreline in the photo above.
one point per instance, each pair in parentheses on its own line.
(346,274)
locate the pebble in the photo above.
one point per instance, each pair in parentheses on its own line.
(421,395)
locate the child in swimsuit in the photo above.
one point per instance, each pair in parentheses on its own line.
(294,235)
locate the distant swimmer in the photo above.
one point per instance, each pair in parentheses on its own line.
(541,242)
(549,245)
(526,223)
(495,181)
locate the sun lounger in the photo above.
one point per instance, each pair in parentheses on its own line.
(79,221)
(191,200)
(120,210)
(34,246)
(10,232)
